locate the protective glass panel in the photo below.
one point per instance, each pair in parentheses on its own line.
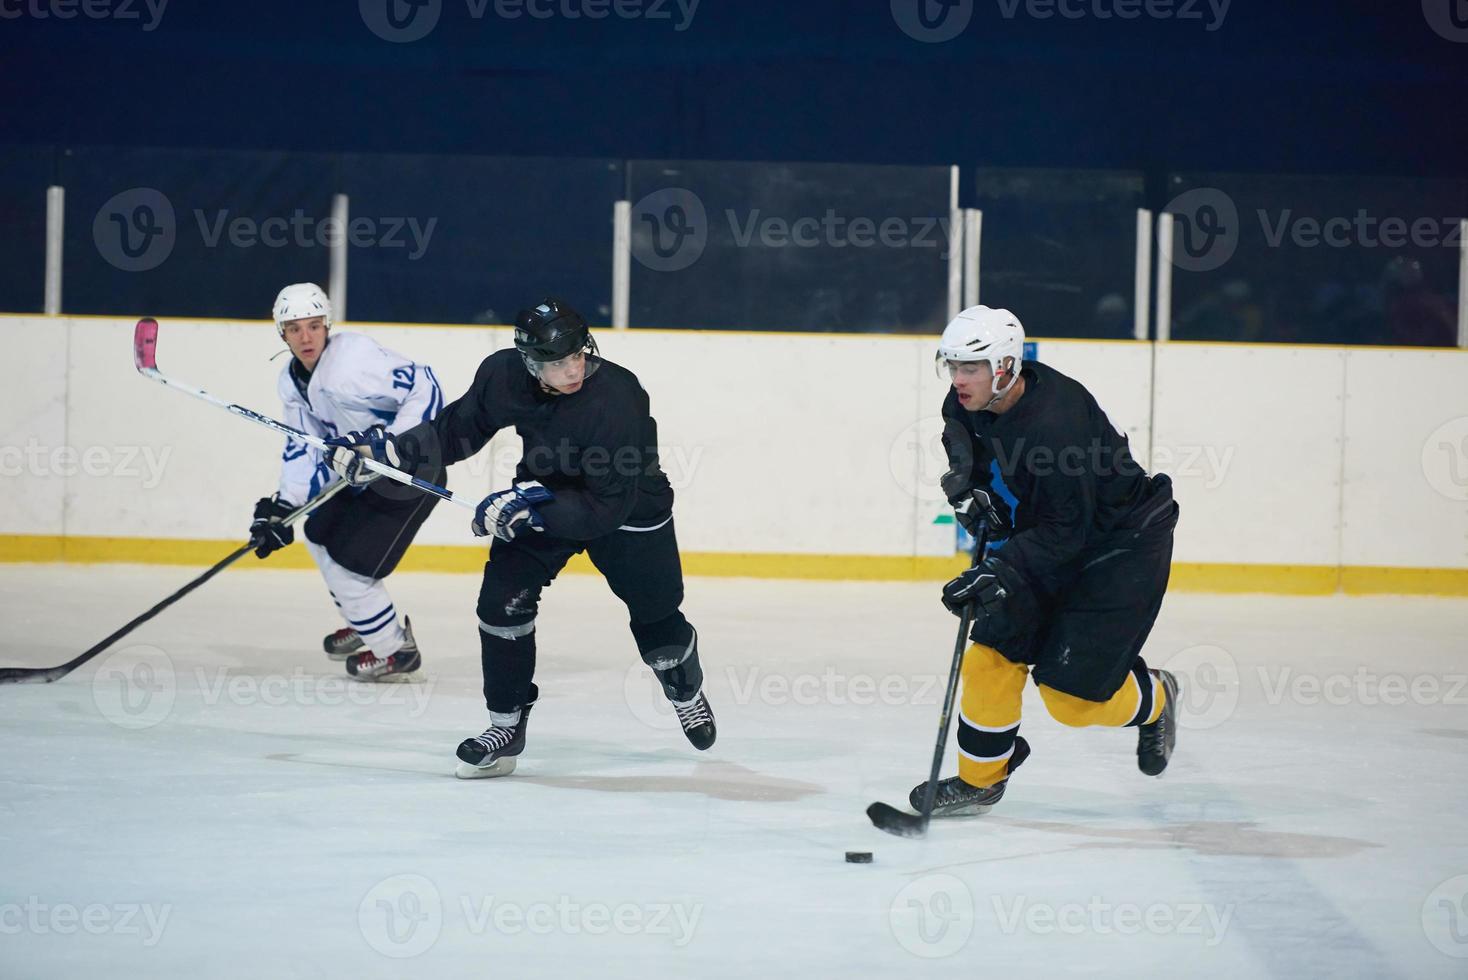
(192,232)
(1316,259)
(1059,249)
(474,239)
(800,247)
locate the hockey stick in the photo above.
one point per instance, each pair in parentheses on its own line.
(145,359)
(38,675)
(886,817)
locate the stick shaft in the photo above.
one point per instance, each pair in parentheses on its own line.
(145,358)
(48,674)
(930,793)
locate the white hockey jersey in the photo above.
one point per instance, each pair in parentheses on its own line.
(357,383)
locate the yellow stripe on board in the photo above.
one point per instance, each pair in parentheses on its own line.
(469,559)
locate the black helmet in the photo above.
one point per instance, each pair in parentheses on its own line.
(551,331)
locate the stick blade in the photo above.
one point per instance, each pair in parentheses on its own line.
(896,822)
(28,675)
(145,344)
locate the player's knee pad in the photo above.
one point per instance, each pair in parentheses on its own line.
(505,610)
(1073,711)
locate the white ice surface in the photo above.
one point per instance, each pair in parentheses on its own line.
(273,821)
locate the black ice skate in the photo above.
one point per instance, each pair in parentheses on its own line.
(366,666)
(956,798)
(1155,741)
(493,752)
(342,644)
(697,719)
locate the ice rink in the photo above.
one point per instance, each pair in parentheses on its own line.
(212,798)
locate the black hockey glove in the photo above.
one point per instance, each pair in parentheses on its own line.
(1004,605)
(988,506)
(267,533)
(972,504)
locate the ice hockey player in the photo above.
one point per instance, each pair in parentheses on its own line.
(1076,571)
(589,479)
(347,389)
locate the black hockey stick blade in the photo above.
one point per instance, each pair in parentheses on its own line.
(31,675)
(899,823)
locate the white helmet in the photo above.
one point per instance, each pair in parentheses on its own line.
(983,334)
(299,301)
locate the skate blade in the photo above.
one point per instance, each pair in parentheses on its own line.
(966,810)
(499,767)
(398,677)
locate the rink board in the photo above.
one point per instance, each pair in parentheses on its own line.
(1298,469)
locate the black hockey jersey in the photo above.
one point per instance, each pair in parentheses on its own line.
(595,449)
(1079,492)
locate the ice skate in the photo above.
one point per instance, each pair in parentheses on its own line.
(956,798)
(1155,742)
(697,719)
(366,666)
(343,643)
(493,752)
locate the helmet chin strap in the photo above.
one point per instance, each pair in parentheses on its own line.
(999,393)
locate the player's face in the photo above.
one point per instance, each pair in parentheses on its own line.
(974,382)
(306,339)
(566,375)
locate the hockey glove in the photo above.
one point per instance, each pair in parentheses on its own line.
(505,513)
(345,454)
(971,504)
(1004,604)
(267,533)
(988,506)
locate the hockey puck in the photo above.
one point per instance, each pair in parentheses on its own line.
(858,857)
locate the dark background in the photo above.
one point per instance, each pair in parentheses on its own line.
(1313,89)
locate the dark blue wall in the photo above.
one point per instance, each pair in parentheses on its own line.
(1305,87)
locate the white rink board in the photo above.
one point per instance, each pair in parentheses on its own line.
(1252,438)
(33,443)
(798,444)
(1406,465)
